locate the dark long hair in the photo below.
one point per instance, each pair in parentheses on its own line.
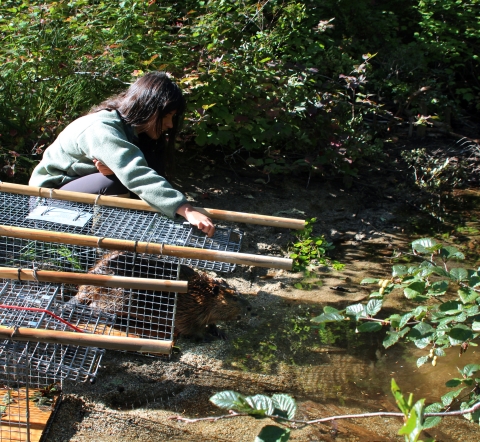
(154,94)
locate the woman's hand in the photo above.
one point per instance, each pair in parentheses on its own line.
(197,219)
(104,170)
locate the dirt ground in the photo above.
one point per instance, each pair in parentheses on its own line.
(134,396)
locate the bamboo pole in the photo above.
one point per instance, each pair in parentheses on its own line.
(126,203)
(86,340)
(145,247)
(91,279)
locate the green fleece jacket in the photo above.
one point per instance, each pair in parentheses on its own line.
(102,136)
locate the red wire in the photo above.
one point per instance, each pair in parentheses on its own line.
(41,310)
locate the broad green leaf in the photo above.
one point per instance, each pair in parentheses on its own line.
(393,337)
(476,326)
(439,352)
(426,270)
(467,295)
(449,252)
(422,343)
(459,274)
(286,404)
(399,270)
(451,307)
(412,270)
(328,309)
(356,310)
(473,278)
(434,408)
(420,311)
(229,400)
(459,334)
(424,245)
(445,321)
(422,329)
(415,290)
(369,281)
(431,421)
(390,339)
(369,327)
(422,360)
(453,382)
(405,319)
(461,317)
(470,369)
(448,398)
(328,317)
(373,307)
(440,271)
(394,320)
(438,288)
(272,433)
(260,403)
(472,311)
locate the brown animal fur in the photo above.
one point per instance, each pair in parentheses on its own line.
(207,301)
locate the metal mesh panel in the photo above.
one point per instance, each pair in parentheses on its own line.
(140,313)
(40,306)
(110,222)
(25,253)
(25,409)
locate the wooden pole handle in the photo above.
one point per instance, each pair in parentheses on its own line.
(126,203)
(92,279)
(86,340)
(145,247)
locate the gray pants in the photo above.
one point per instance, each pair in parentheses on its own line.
(97,184)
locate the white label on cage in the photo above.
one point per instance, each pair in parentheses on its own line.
(33,324)
(60,215)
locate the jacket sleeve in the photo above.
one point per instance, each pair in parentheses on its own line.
(107,142)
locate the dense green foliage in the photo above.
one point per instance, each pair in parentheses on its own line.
(439,318)
(279,84)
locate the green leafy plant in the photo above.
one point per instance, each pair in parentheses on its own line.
(278,406)
(413,421)
(441,320)
(432,173)
(309,250)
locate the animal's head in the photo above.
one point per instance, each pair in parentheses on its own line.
(230,305)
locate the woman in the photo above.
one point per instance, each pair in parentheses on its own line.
(123,145)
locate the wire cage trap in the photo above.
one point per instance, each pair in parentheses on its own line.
(40,306)
(100,221)
(119,310)
(31,372)
(138,313)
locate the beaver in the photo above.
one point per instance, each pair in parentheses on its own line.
(207,301)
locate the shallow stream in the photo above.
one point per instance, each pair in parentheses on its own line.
(330,372)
